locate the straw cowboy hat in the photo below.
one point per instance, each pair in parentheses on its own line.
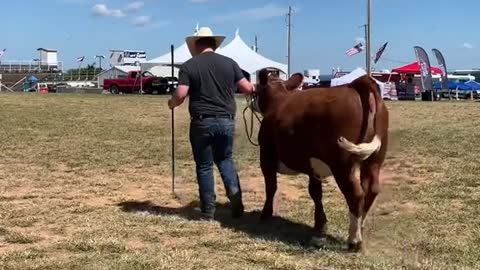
(203,32)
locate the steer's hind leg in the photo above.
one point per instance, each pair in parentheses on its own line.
(370,178)
(354,195)
(320,227)
(369,174)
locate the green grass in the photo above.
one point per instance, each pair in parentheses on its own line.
(81,175)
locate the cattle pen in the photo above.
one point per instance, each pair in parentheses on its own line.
(85,184)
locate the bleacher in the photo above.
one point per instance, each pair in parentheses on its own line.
(29,66)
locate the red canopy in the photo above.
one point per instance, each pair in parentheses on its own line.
(414,68)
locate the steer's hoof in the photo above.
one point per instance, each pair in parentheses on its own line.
(264,217)
(355,247)
(318,241)
(266,214)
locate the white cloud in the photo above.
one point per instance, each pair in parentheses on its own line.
(103,11)
(259,13)
(141,21)
(135,6)
(467,45)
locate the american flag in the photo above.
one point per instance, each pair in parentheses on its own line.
(356,49)
(80,59)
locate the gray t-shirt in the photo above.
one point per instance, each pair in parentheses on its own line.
(212,79)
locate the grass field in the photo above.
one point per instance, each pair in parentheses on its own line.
(85,183)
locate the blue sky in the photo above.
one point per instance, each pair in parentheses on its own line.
(322,30)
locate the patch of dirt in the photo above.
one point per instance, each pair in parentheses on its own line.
(134,192)
(290,192)
(397,208)
(19,193)
(97,201)
(45,239)
(8,248)
(456,205)
(136,244)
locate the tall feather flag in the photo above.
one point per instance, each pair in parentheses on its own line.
(380,52)
(443,67)
(425,69)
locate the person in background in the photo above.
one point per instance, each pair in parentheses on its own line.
(211,80)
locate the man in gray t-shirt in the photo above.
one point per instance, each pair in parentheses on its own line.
(211,80)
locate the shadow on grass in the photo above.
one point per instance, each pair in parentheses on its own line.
(275,229)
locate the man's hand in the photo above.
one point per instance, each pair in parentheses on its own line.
(246,87)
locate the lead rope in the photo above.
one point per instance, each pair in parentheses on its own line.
(250,106)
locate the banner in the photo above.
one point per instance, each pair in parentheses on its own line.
(443,67)
(425,69)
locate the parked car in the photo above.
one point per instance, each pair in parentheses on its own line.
(134,83)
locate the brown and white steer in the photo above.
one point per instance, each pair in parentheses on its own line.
(323,132)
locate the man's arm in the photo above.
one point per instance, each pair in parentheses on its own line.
(242,83)
(179,97)
(182,89)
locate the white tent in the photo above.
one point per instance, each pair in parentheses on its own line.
(181,55)
(247,59)
(164,71)
(348,78)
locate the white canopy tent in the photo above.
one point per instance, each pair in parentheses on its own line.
(248,60)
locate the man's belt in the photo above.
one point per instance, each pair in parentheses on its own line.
(202,116)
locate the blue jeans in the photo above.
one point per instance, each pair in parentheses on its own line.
(212,142)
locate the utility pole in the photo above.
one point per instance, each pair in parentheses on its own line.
(256,44)
(289,24)
(368,37)
(365,29)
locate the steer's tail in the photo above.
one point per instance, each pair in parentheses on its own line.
(362,150)
(368,91)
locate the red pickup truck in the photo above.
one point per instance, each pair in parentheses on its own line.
(134,83)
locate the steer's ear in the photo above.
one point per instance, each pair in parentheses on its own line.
(295,81)
(263,77)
